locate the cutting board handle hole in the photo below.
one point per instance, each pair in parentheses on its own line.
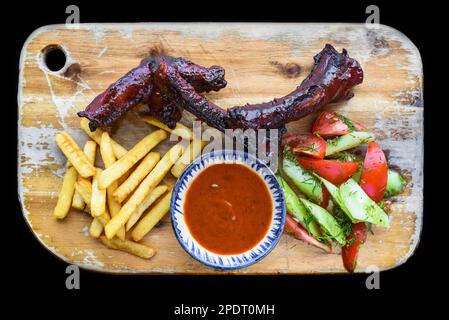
(54,57)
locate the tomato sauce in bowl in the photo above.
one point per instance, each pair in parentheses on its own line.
(228,208)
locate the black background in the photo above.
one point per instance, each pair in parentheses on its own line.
(33,273)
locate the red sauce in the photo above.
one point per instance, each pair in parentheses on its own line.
(228,208)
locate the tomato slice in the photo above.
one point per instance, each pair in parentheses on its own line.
(336,172)
(305,143)
(374,173)
(331,124)
(350,251)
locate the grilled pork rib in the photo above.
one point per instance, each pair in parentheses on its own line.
(136,87)
(167,84)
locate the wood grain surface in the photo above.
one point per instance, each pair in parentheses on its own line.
(262,61)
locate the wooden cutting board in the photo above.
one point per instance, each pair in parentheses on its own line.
(262,61)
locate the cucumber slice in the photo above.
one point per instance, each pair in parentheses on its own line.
(335,194)
(348,141)
(305,181)
(326,221)
(395,184)
(359,206)
(296,208)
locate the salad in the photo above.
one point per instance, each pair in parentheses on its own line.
(333,195)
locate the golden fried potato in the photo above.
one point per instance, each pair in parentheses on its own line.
(119,151)
(96,228)
(145,166)
(84,187)
(187,157)
(149,200)
(77,201)
(151,218)
(66,194)
(90,150)
(180,130)
(109,158)
(115,171)
(148,184)
(98,200)
(137,249)
(74,154)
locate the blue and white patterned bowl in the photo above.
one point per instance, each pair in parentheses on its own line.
(198,252)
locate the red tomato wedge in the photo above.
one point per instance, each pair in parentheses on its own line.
(374,173)
(305,143)
(350,252)
(331,124)
(336,172)
(293,227)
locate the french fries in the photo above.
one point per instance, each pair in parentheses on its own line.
(129,177)
(90,149)
(96,228)
(84,188)
(104,218)
(107,154)
(187,157)
(77,201)
(149,200)
(180,130)
(115,171)
(146,186)
(151,218)
(137,249)
(74,154)
(98,199)
(66,194)
(119,151)
(136,176)
(97,225)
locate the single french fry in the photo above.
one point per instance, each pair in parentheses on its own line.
(77,201)
(151,218)
(90,150)
(96,228)
(104,218)
(147,164)
(149,200)
(180,129)
(115,171)
(146,186)
(74,154)
(107,154)
(84,187)
(119,150)
(131,247)
(66,194)
(187,157)
(98,200)
(114,208)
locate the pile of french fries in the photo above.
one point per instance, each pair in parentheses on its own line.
(125,195)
